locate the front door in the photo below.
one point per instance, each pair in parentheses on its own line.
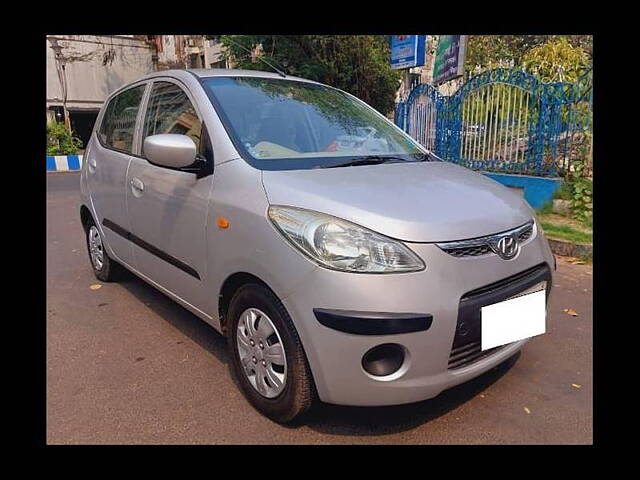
(168,208)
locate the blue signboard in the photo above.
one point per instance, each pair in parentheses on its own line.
(407,50)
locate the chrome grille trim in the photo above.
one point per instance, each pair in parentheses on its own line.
(468,354)
(476,247)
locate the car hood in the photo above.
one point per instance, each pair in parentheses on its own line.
(413,201)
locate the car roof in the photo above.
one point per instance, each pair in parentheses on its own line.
(226,72)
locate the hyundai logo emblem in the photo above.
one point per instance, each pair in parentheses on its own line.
(507,247)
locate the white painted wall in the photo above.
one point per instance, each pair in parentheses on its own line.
(90,82)
(168,53)
(212,52)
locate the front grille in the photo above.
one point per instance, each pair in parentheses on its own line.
(469,251)
(476,247)
(468,354)
(525,234)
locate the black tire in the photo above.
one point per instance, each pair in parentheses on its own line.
(298,394)
(110,271)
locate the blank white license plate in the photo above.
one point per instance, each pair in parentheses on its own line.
(515,319)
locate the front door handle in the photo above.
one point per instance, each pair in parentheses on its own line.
(137,184)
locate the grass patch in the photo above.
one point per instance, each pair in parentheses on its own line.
(564,228)
(566,233)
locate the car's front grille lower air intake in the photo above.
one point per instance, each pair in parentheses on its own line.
(466,347)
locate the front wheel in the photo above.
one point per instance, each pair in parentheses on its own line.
(267,357)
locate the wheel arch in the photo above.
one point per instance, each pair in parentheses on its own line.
(85,216)
(228,289)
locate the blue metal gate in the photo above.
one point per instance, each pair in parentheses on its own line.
(503,120)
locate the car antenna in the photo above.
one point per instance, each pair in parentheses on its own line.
(280,72)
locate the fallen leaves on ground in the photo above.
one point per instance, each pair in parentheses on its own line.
(570,311)
(95,286)
(573,260)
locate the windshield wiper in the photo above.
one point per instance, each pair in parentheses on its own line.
(368,160)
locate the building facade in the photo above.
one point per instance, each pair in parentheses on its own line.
(82,70)
(187,51)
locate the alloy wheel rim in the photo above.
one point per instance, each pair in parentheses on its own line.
(96,250)
(261,353)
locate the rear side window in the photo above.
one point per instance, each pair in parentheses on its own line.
(119,122)
(169,110)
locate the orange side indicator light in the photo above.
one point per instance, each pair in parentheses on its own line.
(222,222)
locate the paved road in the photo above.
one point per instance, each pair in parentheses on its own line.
(127,365)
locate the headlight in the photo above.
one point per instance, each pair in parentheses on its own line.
(341,245)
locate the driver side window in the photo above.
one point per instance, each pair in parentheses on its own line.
(169,110)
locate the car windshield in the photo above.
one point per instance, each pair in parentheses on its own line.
(296,124)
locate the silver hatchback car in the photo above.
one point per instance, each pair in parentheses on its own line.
(343,261)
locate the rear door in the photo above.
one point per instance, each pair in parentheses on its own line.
(167,207)
(107,161)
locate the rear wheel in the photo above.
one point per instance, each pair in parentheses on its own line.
(104,267)
(267,357)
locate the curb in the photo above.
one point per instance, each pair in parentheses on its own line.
(561,207)
(64,163)
(569,249)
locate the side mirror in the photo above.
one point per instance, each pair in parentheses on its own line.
(170,150)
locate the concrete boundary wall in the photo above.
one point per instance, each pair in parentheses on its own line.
(537,190)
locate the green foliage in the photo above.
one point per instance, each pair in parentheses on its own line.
(490,51)
(60,141)
(578,190)
(545,209)
(358,64)
(564,192)
(556,61)
(582,196)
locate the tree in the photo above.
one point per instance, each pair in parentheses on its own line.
(489,51)
(556,61)
(358,64)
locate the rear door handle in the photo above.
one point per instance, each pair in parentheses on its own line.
(137,184)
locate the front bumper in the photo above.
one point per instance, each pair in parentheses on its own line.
(335,357)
